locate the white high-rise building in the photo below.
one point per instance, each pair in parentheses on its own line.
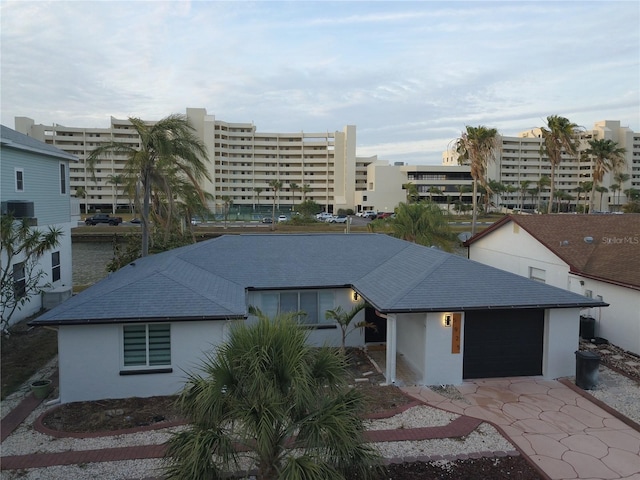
(321,166)
(521,163)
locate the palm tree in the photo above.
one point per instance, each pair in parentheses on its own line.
(583,187)
(411,192)
(497,188)
(227,202)
(265,394)
(306,188)
(258,191)
(168,148)
(542,183)
(344,319)
(294,187)
(524,185)
(81,192)
(620,178)
(559,136)
(433,190)
(477,146)
(424,223)
(601,190)
(607,156)
(563,195)
(115,180)
(275,185)
(462,189)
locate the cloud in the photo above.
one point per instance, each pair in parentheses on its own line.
(409,75)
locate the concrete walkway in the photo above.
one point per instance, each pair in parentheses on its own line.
(565,434)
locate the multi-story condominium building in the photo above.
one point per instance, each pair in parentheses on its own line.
(387,185)
(521,163)
(242,162)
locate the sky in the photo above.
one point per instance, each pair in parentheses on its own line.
(409,75)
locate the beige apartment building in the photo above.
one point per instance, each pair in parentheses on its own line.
(521,163)
(324,167)
(318,166)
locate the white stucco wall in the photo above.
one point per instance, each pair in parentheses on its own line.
(90,361)
(441,367)
(410,337)
(561,328)
(620,321)
(512,249)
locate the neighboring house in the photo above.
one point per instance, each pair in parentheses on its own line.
(138,331)
(34,184)
(597,256)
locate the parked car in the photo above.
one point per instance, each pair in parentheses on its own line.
(323,216)
(267,220)
(339,219)
(369,215)
(103,218)
(136,221)
(383,214)
(196,220)
(282,218)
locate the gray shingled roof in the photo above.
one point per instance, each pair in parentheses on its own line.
(12,139)
(210,279)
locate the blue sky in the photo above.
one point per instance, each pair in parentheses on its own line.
(409,75)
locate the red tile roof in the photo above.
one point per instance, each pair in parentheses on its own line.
(601,246)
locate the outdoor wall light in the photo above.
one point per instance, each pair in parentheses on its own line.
(355,296)
(447,319)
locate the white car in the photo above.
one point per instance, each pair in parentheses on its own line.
(324,216)
(338,219)
(282,218)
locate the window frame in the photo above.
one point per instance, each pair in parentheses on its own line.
(56,269)
(20,281)
(146,367)
(19,179)
(303,321)
(63,178)
(538,274)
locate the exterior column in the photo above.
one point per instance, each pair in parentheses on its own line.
(391,349)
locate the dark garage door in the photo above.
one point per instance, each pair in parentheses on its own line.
(503,343)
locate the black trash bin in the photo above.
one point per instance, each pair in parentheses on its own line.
(587,365)
(587,328)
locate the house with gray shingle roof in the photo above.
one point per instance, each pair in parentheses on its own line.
(138,331)
(596,255)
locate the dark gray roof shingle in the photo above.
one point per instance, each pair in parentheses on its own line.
(210,279)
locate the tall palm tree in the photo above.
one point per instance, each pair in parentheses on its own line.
(620,178)
(606,156)
(424,223)
(265,394)
(411,192)
(498,189)
(524,185)
(168,147)
(258,191)
(601,189)
(275,185)
(115,180)
(433,190)
(560,136)
(306,188)
(583,187)
(81,192)
(294,187)
(542,183)
(226,202)
(477,146)
(462,189)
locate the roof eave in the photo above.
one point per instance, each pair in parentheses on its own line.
(107,321)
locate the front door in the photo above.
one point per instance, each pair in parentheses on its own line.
(377,334)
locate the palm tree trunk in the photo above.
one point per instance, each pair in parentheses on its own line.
(552,187)
(474,214)
(145,215)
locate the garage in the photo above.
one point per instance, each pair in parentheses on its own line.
(503,343)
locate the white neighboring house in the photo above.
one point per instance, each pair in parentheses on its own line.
(34,184)
(594,255)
